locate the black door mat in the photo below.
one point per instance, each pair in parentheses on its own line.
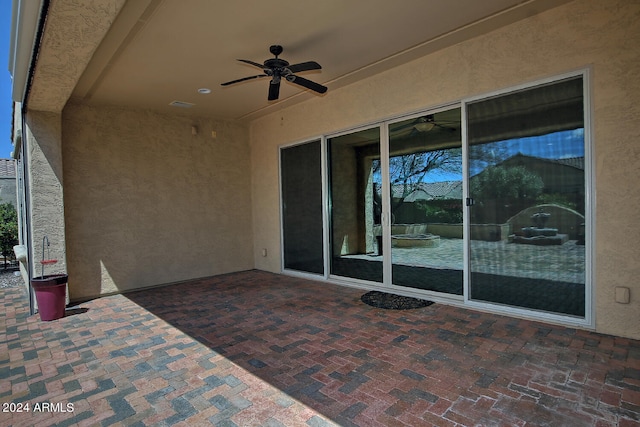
(393,302)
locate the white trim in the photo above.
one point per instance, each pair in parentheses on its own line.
(394,118)
(300,142)
(387,215)
(326,209)
(399,290)
(302,274)
(528,85)
(590,201)
(466,210)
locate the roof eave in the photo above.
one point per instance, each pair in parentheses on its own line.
(24,28)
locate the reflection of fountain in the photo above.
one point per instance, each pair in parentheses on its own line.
(540,218)
(415,240)
(539,233)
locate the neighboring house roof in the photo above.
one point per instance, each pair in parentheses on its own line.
(446,190)
(450,190)
(575,162)
(7,168)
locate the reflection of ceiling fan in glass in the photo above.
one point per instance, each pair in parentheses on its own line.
(424,124)
(428,122)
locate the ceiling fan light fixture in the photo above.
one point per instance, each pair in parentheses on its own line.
(424,126)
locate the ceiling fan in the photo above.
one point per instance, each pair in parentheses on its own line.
(277,69)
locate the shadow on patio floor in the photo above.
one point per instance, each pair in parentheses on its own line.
(276,350)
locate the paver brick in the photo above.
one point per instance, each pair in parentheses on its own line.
(256,348)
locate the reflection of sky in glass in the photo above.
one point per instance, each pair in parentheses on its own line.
(557,145)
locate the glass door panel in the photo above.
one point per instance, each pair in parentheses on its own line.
(301,186)
(527,182)
(425,190)
(355,226)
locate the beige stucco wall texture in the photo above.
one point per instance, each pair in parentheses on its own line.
(44,144)
(148,203)
(586,33)
(58,70)
(8,191)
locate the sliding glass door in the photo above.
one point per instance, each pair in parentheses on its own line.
(425,199)
(355,219)
(526,171)
(301,194)
(484,203)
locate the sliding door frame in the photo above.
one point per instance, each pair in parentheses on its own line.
(449,298)
(589,185)
(459,300)
(323,172)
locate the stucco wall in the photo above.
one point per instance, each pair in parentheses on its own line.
(43,139)
(149,203)
(8,191)
(584,33)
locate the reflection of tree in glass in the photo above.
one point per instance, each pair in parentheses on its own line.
(507,183)
(408,171)
(482,156)
(502,191)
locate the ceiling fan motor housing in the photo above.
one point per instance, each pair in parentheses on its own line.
(275,63)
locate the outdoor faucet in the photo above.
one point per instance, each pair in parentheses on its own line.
(45,238)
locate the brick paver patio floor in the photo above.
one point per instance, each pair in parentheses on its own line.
(260,349)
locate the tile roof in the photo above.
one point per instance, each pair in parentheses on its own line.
(576,162)
(431,191)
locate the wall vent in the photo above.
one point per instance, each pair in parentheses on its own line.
(181,104)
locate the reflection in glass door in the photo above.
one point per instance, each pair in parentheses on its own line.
(425,191)
(355,226)
(526,168)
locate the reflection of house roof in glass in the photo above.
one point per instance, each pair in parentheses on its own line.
(7,168)
(452,190)
(446,190)
(575,162)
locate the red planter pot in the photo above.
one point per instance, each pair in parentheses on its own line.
(51,294)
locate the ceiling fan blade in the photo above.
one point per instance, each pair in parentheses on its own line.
(304,66)
(307,83)
(255,64)
(274,91)
(242,79)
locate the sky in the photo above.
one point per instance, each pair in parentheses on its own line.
(6,147)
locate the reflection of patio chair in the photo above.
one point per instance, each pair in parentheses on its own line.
(379,243)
